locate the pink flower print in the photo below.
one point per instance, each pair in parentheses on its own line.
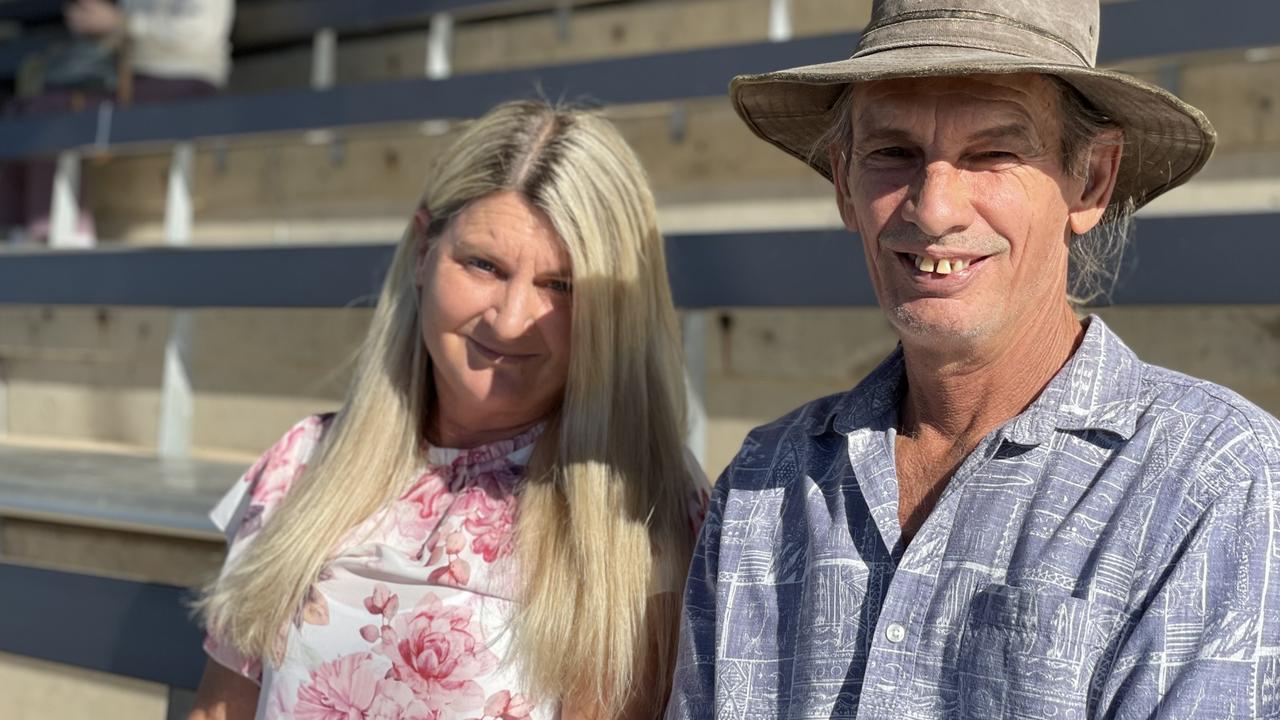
(343,689)
(382,602)
(457,573)
(434,650)
(250,667)
(395,701)
(418,512)
(490,516)
(505,706)
(276,470)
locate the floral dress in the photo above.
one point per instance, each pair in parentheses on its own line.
(410,619)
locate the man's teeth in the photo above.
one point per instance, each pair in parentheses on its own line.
(942,267)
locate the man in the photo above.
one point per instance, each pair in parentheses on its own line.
(1013,516)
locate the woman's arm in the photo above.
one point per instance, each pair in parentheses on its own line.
(224,695)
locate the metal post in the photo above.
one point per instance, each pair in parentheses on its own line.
(64,212)
(440,47)
(324,59)
(4,400)
(694,326)
(780,20)
(176,400)
(564,21)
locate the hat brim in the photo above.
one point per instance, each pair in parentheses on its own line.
(1166,140)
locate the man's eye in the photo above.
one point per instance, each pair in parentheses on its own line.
(482,265)
(997,155)
(891,152)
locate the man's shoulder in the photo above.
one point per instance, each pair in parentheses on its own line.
(1216,414)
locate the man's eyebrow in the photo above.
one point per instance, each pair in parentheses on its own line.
(1015,132)
(881,134)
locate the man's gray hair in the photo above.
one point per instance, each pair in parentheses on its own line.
(1095,257)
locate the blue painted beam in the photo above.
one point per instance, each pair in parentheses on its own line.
(759,269)
(138,630)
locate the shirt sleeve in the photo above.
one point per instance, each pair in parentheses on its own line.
(1207,643)
(693,688)
(244,508)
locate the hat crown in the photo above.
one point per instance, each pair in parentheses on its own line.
(1057,31)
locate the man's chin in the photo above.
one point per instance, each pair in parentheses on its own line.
(918,322)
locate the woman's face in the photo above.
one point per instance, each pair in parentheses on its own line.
(495,292)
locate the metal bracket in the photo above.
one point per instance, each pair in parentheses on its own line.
(324,59)
(694,328)
(677,123)
(176,398)
(780,29)
(440,47)
(64,210)
(564,21)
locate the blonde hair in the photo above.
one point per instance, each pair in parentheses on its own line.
(604,507)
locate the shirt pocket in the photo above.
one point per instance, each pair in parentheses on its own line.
(1027,653)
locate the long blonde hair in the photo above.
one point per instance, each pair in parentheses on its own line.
(604,508)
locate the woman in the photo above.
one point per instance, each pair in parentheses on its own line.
(498,521)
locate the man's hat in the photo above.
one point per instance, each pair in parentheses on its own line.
(1166,140)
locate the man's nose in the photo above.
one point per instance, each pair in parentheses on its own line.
(516,307)
(939,202)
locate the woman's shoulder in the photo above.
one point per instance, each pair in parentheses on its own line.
(266,482)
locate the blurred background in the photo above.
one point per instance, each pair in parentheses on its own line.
(197,201)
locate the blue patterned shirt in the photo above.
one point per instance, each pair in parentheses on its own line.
(1112,552)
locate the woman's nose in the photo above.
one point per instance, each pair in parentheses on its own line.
(515,309)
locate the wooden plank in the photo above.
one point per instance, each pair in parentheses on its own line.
(611,31)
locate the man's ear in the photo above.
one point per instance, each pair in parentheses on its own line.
(1086,209)
(839,161)
(421,243)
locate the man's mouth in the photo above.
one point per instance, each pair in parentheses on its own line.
(939,266)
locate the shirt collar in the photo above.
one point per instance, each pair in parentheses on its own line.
(1096,390)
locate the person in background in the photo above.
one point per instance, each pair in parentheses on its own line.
(498,520)
(140,51)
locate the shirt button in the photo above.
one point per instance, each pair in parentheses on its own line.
(895,632)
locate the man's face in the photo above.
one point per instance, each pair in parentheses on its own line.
(957,188)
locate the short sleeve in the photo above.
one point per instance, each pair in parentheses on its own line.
(248,504)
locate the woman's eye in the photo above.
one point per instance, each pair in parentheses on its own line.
(561,286)
(998,155)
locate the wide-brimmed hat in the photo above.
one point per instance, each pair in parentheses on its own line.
(1166,140)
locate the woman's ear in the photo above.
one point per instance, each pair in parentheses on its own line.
(1086,210)
(421,243)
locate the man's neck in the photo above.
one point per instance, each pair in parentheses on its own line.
(964,396)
